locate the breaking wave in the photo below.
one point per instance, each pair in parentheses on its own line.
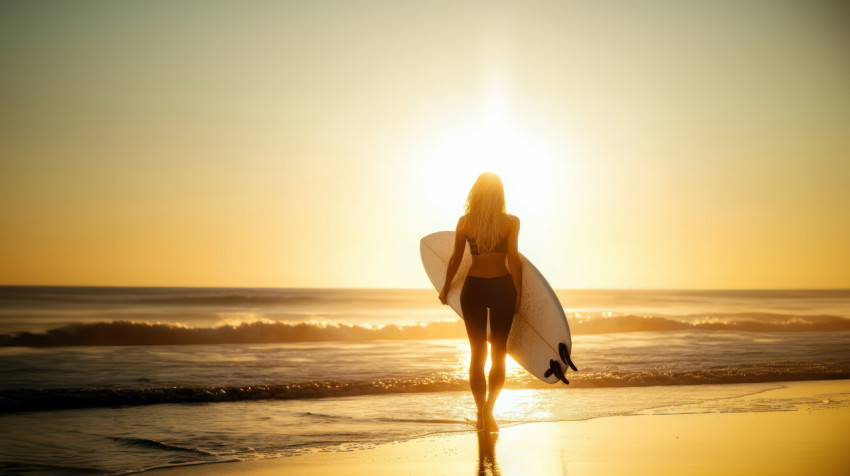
(136,333)
(91,397)
(160,445)
(746,322)
(142,333)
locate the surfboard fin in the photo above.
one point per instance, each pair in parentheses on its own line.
(565,356)
(555,368)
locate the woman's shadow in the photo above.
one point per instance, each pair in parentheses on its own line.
(487,454)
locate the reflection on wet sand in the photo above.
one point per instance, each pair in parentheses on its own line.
(487,454)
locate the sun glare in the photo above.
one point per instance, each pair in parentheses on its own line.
(525,164)
(512,368)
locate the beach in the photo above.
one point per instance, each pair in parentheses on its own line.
(278,237)
(129,380)
(797,429)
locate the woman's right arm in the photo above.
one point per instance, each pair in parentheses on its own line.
(454,262)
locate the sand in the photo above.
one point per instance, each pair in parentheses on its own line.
(804,435)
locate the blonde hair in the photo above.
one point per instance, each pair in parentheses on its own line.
(485,211)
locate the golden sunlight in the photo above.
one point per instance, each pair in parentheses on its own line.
(495,143)
(512,368)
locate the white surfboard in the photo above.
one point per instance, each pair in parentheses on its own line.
(540,336)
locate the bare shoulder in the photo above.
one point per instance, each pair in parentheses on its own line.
(514,221)
(461,223)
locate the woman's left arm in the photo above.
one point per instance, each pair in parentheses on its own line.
(515,260)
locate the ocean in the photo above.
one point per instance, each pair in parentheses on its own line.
(116,380)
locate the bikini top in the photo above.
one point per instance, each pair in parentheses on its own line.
(501,247)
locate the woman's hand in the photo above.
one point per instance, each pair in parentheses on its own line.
(443,298)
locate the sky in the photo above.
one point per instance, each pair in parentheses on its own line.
(672,145)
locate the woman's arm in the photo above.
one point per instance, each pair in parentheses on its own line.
(515,260)
(454,262)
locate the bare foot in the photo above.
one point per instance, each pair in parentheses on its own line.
(479,423)
(490,423)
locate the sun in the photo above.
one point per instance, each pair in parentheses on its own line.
(527,165)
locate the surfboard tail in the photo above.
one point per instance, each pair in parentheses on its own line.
(555,369)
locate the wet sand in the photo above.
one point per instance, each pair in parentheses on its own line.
(803,434)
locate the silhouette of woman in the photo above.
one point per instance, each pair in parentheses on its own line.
(492,235)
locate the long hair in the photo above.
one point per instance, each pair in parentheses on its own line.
(485,211)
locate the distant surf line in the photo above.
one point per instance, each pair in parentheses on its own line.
(118,333)
(19,400)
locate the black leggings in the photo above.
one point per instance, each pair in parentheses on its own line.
(500,296)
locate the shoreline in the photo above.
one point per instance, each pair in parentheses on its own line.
(788,430)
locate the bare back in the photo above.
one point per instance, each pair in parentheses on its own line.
(492,265)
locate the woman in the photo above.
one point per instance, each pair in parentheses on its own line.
(492,235)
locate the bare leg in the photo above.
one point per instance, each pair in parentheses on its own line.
(476,373)
(497,380)
(501,319)
(475,320)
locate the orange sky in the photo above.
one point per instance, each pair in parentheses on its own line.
(311,144)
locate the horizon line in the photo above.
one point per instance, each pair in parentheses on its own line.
(306,288)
